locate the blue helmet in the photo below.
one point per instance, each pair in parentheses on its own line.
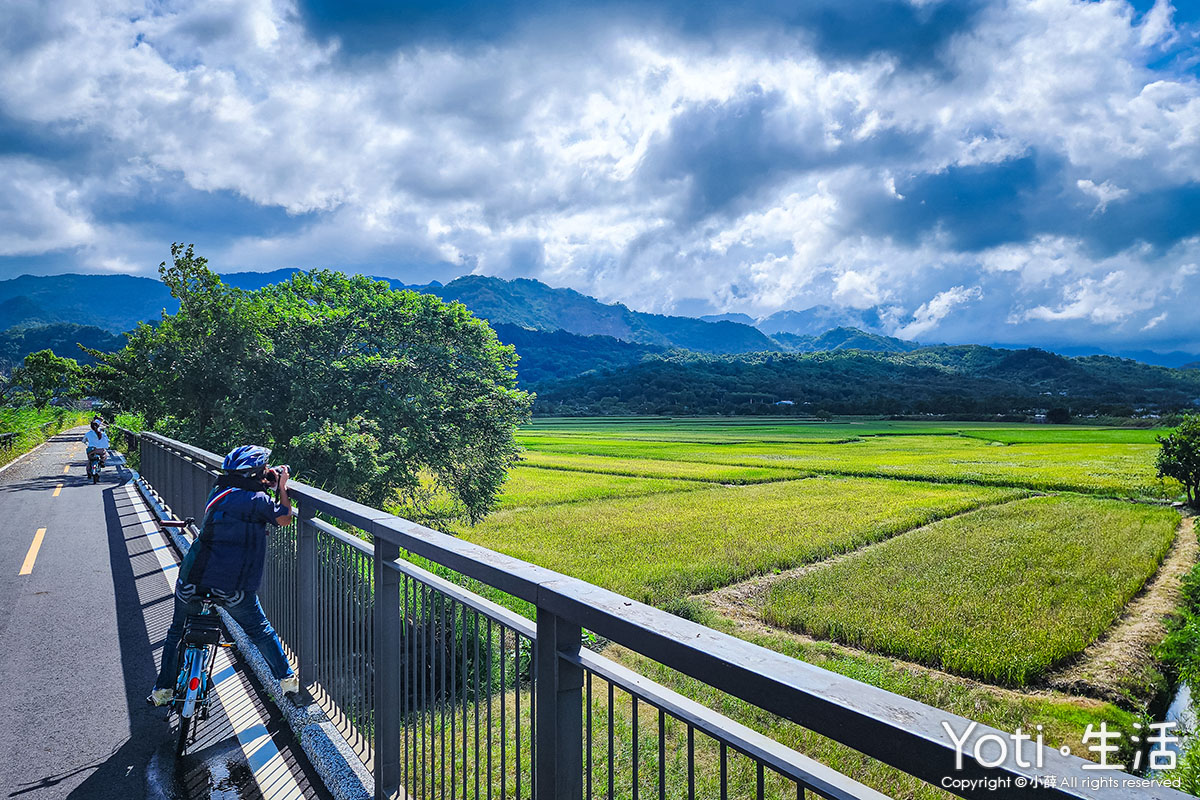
(248,458)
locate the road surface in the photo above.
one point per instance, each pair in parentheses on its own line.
(85,601)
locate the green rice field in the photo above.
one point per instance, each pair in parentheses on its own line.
(988,594)
(955,563)
(687,542)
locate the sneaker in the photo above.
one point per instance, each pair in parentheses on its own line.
(289,684)
(161,697)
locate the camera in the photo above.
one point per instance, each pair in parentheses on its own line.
(272,474)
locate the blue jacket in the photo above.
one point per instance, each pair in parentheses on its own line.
(231,549)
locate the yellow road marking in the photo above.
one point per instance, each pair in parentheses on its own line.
(66,468)
(57,489)
(31,556)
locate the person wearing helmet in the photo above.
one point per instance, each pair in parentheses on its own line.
(226,562)
(96,441)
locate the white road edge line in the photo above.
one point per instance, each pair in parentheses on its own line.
(26,453)
(270,770)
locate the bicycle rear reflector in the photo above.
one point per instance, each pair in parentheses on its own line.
(194,684)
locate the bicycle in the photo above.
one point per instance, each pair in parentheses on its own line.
(197,654)
(96,458)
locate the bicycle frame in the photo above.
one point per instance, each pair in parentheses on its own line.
(198,652)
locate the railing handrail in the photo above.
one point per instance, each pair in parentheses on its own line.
(891,728)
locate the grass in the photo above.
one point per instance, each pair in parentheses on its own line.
(33,426)
(661,547)
(529,486)
(1120,470)
(657,468)
(1000,594)
(1055,435)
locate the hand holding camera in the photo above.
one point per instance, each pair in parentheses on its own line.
(278,477)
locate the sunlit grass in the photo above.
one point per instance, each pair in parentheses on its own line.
(658,468)
(1125,470)
(1000,594)
(530,486)
(664,546)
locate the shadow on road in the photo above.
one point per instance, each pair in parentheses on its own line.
(123,774)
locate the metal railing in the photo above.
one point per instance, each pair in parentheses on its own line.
(444,692)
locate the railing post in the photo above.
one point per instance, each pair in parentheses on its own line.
(559,710)
(306,593)
(388,670)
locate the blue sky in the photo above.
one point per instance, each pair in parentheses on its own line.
(1022,171)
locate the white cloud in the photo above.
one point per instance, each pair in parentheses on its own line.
(1104,193)
(927,317)
(476,158)
(40,210)
(858,289)
(1155,322)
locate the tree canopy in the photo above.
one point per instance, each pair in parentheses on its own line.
(42,378)
(363,389)
(1179,457)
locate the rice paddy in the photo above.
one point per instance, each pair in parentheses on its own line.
(661,547)
(949,562)
(988,594)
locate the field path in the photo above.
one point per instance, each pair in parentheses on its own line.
(1118,663)
(744,600)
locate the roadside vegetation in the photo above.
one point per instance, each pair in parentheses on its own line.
(34,426)
(364,389)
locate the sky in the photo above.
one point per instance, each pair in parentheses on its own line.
(992,171)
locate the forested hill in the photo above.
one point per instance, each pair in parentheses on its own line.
(534,305)
(62,338)
(943,380)
(118,302)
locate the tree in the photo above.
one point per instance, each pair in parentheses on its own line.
(1058,415)
(1179,457)
(44,377)
(367,390)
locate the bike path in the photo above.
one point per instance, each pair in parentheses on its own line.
(80,638)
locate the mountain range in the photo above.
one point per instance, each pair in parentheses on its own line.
(116,303)
(582,356)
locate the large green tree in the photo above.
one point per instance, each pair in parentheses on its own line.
(43,377)
(1179,456)
(363,389)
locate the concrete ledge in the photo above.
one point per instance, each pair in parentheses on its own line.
(339,766)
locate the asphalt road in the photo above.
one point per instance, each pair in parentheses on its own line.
(80,636)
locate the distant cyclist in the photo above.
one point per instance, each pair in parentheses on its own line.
(96,439)
(226,561)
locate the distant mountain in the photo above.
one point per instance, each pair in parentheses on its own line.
(534,305)
(112,302)
(744,319)
(62,337)
(118,302)
(817,319)
(548,356)
(845,339)
(253,281)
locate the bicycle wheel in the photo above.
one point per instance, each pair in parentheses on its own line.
(185,728)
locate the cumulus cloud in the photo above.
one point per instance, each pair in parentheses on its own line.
(930,313)
(1036,159)
(1104,193)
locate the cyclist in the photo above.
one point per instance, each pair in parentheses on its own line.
(226,561)
(97,440)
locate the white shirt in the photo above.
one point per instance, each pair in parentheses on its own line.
(97,440)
